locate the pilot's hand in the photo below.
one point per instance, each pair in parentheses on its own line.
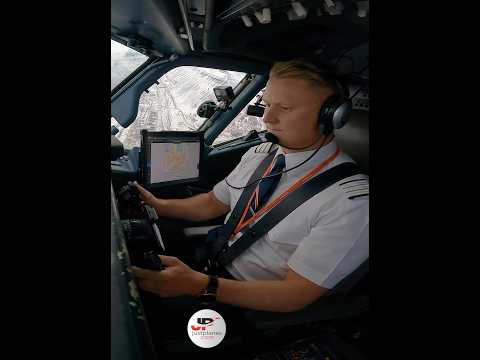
(176,279)
(146,196)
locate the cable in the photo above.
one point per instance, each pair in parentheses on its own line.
(362,70)
(358,73)
(348,57)
(283,172)
(342,56)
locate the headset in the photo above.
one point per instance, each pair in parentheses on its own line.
(334,114)
(336,109)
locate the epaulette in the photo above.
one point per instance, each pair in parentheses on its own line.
(355,188)
(264,147)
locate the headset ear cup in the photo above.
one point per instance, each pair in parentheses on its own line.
(341,114)
(334,114)
(325,118)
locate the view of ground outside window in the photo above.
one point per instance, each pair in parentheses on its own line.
(173,103)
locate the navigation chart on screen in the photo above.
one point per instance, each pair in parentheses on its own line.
(174,161)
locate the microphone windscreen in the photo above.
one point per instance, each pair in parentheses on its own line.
(271,138)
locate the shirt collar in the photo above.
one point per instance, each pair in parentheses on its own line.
(293,159)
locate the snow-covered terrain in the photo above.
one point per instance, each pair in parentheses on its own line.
(173,103)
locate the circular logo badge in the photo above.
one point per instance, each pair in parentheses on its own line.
(206,328)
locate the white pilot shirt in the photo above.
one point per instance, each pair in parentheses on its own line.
(323,240)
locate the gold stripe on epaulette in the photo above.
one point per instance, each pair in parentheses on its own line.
(264,147)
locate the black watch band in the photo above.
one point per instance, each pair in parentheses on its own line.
(210,292)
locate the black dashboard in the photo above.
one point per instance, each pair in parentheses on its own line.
(130,336)
(126,167)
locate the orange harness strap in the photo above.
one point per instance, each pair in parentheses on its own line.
(279,198)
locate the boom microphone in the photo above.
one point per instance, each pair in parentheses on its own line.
(272,138)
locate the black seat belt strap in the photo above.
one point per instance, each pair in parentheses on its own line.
(234,218)
(285,207)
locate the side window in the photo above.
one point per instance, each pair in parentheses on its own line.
(242,124)
(123,62)
(173,103)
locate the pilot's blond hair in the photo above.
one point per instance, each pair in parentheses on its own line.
(302,69)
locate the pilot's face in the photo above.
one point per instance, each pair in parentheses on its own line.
(292,109)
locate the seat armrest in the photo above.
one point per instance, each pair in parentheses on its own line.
(326,308)
(198,230)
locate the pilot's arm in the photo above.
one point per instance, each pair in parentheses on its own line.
(197,208)
(290,294)
(334,247)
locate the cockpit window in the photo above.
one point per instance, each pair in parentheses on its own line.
(172,103)
(243,123)
(124,61)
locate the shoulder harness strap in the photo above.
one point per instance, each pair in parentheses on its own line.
(285,207)
(234,218)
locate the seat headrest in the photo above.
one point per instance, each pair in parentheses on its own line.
(353,138)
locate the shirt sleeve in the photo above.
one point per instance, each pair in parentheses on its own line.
(221,190)
(336,245)
(222,193)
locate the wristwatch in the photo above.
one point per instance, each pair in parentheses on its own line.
(209,294)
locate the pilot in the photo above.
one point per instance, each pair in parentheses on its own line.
(313,248)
